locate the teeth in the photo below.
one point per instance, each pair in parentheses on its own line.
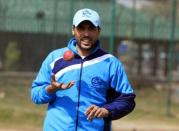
(86,40)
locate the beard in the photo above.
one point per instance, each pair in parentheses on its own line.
(86,44)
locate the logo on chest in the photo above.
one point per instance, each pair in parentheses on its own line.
(97,82)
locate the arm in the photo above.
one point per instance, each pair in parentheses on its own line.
(45,86)
(120,97)
(119,105)
(39,94)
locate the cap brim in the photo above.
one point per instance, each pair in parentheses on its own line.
(85,19)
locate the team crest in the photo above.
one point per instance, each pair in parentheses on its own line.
(97,82)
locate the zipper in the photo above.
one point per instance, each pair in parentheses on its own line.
(78,102)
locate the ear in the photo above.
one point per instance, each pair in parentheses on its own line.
(73,33)
(99,29)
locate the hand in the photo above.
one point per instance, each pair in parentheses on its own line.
(55,86)
(96,112)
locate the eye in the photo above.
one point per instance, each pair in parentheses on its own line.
(80,27)
(92,28)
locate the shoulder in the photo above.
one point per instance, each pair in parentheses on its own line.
(113,59)
(106,57)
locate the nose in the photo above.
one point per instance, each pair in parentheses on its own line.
(86,32)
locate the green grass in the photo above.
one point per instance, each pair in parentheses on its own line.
(151,106)
(17,108)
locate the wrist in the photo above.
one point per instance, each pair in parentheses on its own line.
(51,89)
(106,112)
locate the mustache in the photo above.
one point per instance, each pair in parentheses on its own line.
(86,37)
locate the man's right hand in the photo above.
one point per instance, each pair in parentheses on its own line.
(55,86)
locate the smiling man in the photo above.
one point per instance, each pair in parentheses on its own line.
(87,91)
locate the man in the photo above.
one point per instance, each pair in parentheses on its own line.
(87,90)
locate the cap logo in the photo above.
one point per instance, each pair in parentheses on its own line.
(86,13)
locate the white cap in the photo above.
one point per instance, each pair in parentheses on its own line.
(86,14)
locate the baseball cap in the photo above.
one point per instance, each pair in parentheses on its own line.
(86,14)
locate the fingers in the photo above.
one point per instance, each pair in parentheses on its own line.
(89,109)
(53,77)
(68,85)
(91,112)
(60,86)
(96,112)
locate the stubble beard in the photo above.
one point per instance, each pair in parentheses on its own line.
(86,48)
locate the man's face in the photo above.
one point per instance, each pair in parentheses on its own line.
(86,35)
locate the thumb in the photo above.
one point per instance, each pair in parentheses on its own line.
(53,77)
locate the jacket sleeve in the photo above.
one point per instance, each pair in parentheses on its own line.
(119,105)
(39,94)
(120,97)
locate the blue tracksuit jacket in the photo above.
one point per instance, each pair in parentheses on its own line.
(99,79)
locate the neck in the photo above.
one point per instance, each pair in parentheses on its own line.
(83,52)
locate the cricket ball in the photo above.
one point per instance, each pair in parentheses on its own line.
(68,55)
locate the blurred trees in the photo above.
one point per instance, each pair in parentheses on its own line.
(160,8)
(12,56)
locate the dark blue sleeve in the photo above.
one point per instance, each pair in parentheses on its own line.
(118,104)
